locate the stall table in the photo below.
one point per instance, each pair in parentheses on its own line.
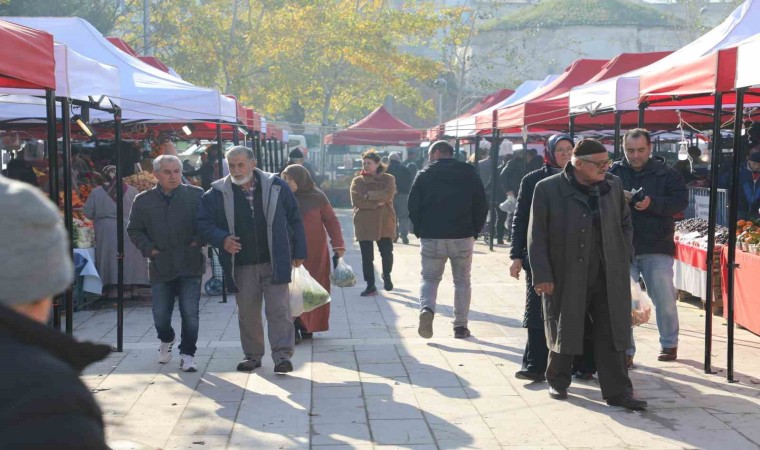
(746,281)
(690,269)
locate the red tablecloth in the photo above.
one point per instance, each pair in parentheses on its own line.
(694,256)
(746,289)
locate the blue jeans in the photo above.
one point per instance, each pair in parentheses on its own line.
(189,291)
(657,271)
(435,253)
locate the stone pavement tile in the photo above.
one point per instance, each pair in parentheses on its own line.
(343,433)
(371,370)
(244,438)
(489,391)
(201,408)
(712,440)
(520,428)
(687,419)
(155,436)
(747,424)
(346,447)
(462,432)
(320,392)
(383,407)
(383,355)
(204,426)
(398,386)
(473,443)
(435,379)
(333,357)
(401,432)
(406,447)
(197,442)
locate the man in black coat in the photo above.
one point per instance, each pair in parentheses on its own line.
(448,208)
(401,199)
(665,195)
(43,403)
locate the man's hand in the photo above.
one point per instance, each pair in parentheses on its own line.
(515,268)
(644,204)
(544,288)
(231,244)
(628,196)
(510,193)
(340,252)
(154,253)
(297,262)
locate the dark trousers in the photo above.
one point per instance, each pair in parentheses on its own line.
(501,228)
(385,246)
(586,363)
(613,375)
(536,353)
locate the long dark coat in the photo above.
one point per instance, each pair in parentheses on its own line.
(559,240)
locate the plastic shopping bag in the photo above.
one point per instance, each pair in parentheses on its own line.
(307,290)
(343,275)
(509,205)
(641,305)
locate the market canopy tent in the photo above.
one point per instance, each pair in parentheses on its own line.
(147,93)
(151,60)
(26,57)
(484,119)
(621,93)
(380,127)
(748,63)
(464,125)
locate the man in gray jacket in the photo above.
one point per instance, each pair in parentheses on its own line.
(162,225)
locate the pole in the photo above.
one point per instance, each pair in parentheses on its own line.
(236,136)
(146,27)
(322,152)
(68,214)
(711,221)
(732,213)
(257,146)
(119,234)
(52,149)
(494,184)
(276,150)
(642,107)
(572,127)
(457,148)
(440,107)
(618,117)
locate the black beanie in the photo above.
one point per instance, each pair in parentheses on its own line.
(296,154)
(588,147)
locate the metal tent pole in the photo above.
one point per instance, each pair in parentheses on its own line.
(52,149)
(711,221)
(642,107)
(236,135)
(119,234)
(571,126)
(68,214)
(494,183)
(618,117)
(733,212)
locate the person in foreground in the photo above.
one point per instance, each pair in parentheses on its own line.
(447,206)
(252,217)
(580,246)
(43,403)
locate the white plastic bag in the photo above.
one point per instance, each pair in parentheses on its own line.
(343,275)
(306,291)
(641,305)
(509,205)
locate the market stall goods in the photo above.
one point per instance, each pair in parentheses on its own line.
(142,181)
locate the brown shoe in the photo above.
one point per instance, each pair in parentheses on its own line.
(629,362)
(668,354)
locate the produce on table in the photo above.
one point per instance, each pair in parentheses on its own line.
(694,232)
(84,233)
(142,181)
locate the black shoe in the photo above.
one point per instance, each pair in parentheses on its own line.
(584,376)
(668,354)
(405,239)
(371,290)
(500,241)
(305,336)
(248,365)
(627,401)
(557,394)
(283,366)
(532,376)
(387,283)
(461,332)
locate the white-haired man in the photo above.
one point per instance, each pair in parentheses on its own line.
(163,226)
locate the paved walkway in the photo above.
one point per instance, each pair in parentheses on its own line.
(372,383)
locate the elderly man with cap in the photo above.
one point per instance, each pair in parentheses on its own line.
(296,156)
(43,404)
(580,250)
(401,199)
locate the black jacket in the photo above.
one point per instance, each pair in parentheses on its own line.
(447,201)
(512,174)
(653,228)
(519,249)
(43,403)
(402,175)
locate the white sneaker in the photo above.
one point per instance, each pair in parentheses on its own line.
(165,352)
(187,363)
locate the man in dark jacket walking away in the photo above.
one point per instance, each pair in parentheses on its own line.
(665,194)
(252,217)
(522,163)
(162,225)
(447,205)
(43,403)
(580,248)
(401,199)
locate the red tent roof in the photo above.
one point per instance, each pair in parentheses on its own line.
(155,62)
(488,101)
(626,62)
(379,128)
(123,46)
(27,60)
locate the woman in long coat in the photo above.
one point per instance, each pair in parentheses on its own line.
(101,209)
(318,216)
(372,193)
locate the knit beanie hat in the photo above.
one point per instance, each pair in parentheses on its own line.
(35,261)
(588,147)
(296,154)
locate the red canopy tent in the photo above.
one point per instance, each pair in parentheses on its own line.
(380,127)
(488,101)
(27,60)
(126,48)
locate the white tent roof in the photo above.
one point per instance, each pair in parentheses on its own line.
(622,93)
(747,63)
(76,77)
(147,93)
(465,126)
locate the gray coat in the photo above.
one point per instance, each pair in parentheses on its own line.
(559,239)
(170,228)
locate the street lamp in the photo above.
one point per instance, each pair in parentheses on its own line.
(440,84)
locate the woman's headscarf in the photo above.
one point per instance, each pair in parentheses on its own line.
(308,195)
(109,177)
(551,145)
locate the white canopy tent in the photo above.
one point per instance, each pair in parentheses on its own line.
(147,93)
(747,63)
(76,77)
(465,126)
(622,93)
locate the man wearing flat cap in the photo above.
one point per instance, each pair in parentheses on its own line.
(43,403)
(580,248)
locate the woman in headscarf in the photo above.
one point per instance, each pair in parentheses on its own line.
(318,216)
(101,209)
